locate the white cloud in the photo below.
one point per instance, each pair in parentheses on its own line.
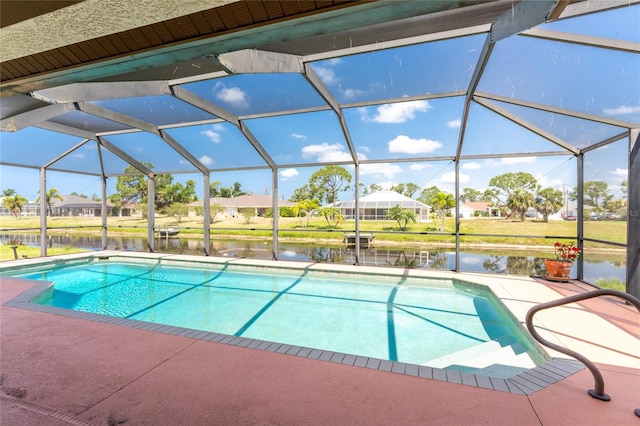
(454,124)
(450,177)
(387,170)
(353,93)
(622,110)
(78,155)
(400,112)
(326,152)
(206,160)
(298,136)
(623,173)
(418,167)
(406,145)
(211,135)
(471,166)
(287,174)
(327,75)
(232,95)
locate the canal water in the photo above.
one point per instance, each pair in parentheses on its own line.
(517,262)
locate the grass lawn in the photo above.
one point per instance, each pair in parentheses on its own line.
(318,228)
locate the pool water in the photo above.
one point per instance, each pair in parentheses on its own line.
(403,319)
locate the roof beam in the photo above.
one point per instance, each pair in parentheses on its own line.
(203,104)
(607,141)
(33,117)
(535,129)
(67,152)
(67,130)
(124,156)
(326,94)
(522,16)
(255,61)
(92,91)
(142,125)
(207,106)
(601,42)
(568,113)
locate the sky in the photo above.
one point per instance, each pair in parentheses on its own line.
(584,79)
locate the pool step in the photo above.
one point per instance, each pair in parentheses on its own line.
(502,357)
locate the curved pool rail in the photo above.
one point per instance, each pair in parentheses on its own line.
(598,391)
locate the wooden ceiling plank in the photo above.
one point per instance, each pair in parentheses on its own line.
(188,27)
(274,10)
(242,14)
(202,25)
(214,20)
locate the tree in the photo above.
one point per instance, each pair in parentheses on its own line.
(520,201)
(14,203)
(594,191)
(402,216)
(302,193)
(624,187)
(406,189)
(331,214)
(9,192)
(49,196)
(374,187)
(509,183)
(132,187)
(548,202)
(470,195)
(116,201)
(177,210)
(443,201)
(247,213)
(427,194)
(305,208)
(325,183)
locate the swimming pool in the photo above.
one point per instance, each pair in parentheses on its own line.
(440,323)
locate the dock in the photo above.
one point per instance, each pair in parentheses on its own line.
(365,239)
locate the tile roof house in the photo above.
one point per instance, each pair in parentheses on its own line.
(231,206)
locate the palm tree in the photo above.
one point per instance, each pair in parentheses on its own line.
(14,203)
(520,201)
(51,194)
(331,214)
(443,201)
(548,202)
(306,207)
(402,216)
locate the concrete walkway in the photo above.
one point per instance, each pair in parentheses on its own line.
(58,370)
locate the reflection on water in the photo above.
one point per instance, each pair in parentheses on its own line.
(437,258)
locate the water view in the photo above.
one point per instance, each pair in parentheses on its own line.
(516,262)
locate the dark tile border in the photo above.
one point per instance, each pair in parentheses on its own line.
(525,383)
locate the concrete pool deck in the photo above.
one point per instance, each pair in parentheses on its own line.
(61,370)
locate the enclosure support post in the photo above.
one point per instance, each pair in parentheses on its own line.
(457,214)
(275,213)
(580,213)
(151,212)
(104,212)
(633,215)
(43,212)
(206,205)
(357,212)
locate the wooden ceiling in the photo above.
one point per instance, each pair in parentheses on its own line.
(221,20)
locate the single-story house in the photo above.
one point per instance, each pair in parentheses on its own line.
(74,205)
(231,206)
(376,205)
(477,208)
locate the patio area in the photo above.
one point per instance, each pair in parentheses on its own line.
(59,370)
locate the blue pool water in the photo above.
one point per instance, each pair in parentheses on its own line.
(393,318)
